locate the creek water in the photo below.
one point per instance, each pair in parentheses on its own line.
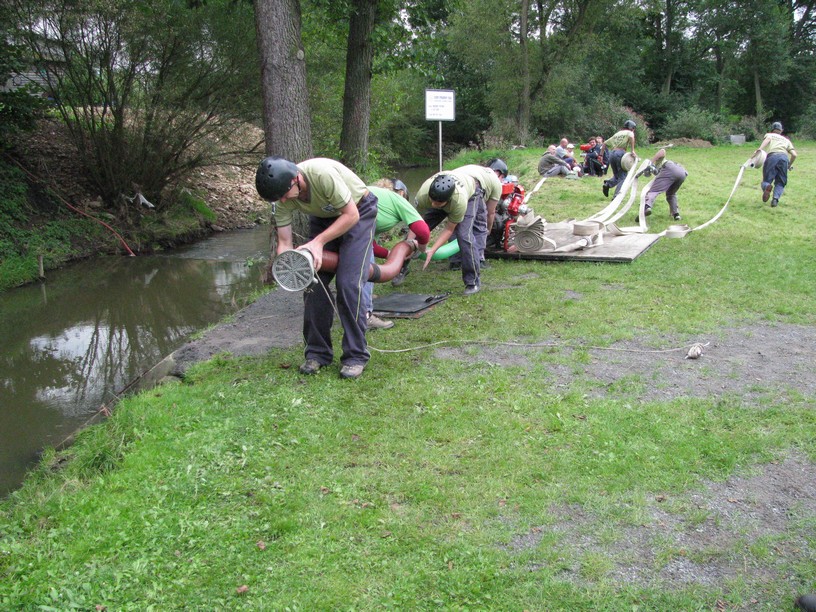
(70,343)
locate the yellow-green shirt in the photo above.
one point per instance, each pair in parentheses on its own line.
(331,186)
(457,207)
(620,140)
(778,143)
(487,179)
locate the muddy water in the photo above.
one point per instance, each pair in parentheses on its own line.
(67,345)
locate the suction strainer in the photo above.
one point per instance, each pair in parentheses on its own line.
(294,270)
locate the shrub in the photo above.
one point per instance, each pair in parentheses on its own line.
(696,123)
(807,123)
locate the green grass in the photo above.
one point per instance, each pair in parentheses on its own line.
(410,488)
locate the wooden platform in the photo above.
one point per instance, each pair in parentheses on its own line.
(617,249)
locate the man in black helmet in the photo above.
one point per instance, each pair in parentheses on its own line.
(619,142)
(456,198)
(776,166)
(342,214)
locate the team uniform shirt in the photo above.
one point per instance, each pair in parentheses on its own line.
(487,179)
(778,143)
(457,206)
(331,186)
(392,209)
(620,140)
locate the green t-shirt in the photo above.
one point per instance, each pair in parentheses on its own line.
(457,207)
(392,209)
(487,179)
(778,143)
(331,186)
(620,140)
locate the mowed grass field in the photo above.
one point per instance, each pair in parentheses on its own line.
(471,477)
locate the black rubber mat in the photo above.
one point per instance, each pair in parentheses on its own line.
(406,304)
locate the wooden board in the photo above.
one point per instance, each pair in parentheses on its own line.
(618,249)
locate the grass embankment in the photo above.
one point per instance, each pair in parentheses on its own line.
(250,486)
(37,225)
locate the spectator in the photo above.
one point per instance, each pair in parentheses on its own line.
(561,149)
(593,159)
(604,154)
(551,165)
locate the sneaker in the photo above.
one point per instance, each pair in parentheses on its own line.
(378,323)
(471,289)
(606,190)
(766,193)
(352,371)
(774,202)
(648,212)
(483,265)
(400,277)
(310,367)
(676,216)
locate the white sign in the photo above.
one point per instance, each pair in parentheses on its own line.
(440,105)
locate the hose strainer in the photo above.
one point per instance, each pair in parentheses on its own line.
(294,270)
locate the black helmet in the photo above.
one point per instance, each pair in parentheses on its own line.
(400,186)
(274,177)
(498,164)
(442,188)
(776,125)
(630,125)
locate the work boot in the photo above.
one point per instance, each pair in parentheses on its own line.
(378,323)
(400,277)
(677,216)
(310,367)
(774,202)
(471,289)
(766,193)
(606,190)
(352,371)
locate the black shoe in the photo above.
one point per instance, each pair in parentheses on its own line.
(400,277)
(648,212)
(454,265)
(471,289)
(774,202)
(676,216)
(606,190)
(483,265)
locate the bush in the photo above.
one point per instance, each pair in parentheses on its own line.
(696,123)
(807,124)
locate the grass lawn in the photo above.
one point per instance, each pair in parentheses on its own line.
(466,478)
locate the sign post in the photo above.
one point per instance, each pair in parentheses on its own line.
(440,105)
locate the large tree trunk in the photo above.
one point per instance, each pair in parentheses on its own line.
(286,117)
(760,107)
(524,103)
(287,122)
(357,93)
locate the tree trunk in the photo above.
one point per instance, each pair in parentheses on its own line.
(760,108)
(287,122)
(669,50)
(357,92)
(524,103)
(286,117)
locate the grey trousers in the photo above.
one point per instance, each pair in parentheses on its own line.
(668,181)
(354,253)
(471,233)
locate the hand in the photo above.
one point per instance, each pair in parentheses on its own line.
(428,256)
(316,249)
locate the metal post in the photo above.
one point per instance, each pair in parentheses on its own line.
(440,146)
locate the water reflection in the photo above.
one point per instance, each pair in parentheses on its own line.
(71,343)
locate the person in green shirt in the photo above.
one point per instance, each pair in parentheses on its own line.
(776,166)
(342,215)
(456,198)
(619,143)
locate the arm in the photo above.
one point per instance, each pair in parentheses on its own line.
(632,142)
(491,212)
(420,231)
(284,239)
(444,236)
(792,158)
(349,216)
(764,144)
